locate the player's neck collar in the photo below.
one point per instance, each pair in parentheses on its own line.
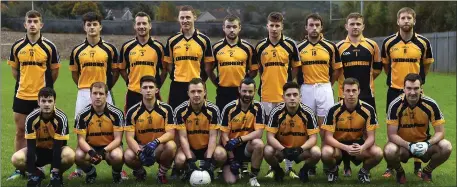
(99,42)
(202,108)
(154,105)
(348,40)
(194,34)
(239,102)
(412,37)
(105,109)
(27,39)
(237,43)
(281,39)
(357,106)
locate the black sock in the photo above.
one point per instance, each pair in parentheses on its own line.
(254,171)
(400,169)
(417,165)
(90,170)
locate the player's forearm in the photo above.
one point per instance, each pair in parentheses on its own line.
(336,73)
(330,140)
(115,143)
(31,150)
(273,142)
(124,75)
(368,142)
(82,143)
(386,68)
(225,138)
(253,135)
(376,73)
(210,73)
(211,146)
(14,71)
(133,145)
(75,77)
(312,140)
(427,68)
(185,146)
(294,73)
(437,137)
(163,76)
(253,73)
(169,135)
(394,138)
(55,74)
(115,76)
(56,154)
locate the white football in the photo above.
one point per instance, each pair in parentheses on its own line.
(198,178)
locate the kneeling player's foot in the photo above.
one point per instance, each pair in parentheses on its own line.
(279,174)
(253,181)
(219,174)
(364,177)
(175,173)
(124,175)
(16,174)
(332,176)
(91,176)
(75,174)
(401,177)
(270,174)
(162,179)
(34,181)
(426,176)
(117,177)
(244,173)
(140,175)
(291,173)
(304,177)
(312,171)
(347,172)
(418,172)
(388,173)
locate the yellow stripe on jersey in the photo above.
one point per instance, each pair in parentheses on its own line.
(350,126)
(141,60)
(292,130)
(318,61)
(405,57)
(94,63)
(188,56)
(46,131)
(99,129)
(360,61)
(275,65)
(239,123)
(234,62)
(34,63)
(413,124)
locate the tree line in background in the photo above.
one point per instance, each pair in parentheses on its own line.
(380,16)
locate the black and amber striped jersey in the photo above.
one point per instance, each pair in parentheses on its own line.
(149,125)
(238,123)
(99,129)
(188,56)
(404,57)
(140,60)
(275,66)
(198,124)
(234,62)
(34,62)
(94,63)
(292,130)
(348,125)
(45,131)
(318,61)
(413,123)
(360,61)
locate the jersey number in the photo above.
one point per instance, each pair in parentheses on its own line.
(231,54)
(274,54)
(142,53)
(32,53)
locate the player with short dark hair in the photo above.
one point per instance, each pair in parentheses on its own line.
(196,122)
(403,53)
(292,134)
(409,117)
(99,127)
(141,56)
(149,132)
(350,134)
(242,124)
(33,67)
(47,135)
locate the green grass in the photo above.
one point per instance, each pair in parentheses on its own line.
(441,87)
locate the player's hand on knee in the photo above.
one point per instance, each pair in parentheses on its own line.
(151,146)
(95,158)
(233,143)
(146,160)
(288,153)
(191,165)
(208,164)
(234,166)
(419,148)
(297,151)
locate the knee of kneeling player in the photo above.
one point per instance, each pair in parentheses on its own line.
(258,144)
(390,151)
(327,152)
(170,147)
(18,160)
(316,153)
(268,151)
(68,156)
(180,159)
(445,147)
(378,154)
(116,158)
(220,155)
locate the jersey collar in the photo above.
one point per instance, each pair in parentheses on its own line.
(38,41)
(105,112)
(149,42)
(347,40)
(238,43)
(194,35)
(280,40)
(412,38)
(189,107)
(238,104)
(358,106)
(99,42)
(154,107)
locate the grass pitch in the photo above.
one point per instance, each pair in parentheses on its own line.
(441,87)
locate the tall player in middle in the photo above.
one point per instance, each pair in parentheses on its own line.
(279,61)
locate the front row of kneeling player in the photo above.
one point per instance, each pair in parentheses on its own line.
(151,125)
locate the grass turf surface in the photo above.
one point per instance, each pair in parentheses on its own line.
(440,87)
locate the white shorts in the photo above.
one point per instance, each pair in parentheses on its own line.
(83,99)
(267,106)
(318,97)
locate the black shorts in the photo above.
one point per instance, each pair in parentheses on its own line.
(346,155)
(131,98)
(199,153)
(370,100)
(44,156)
(392,93)
(225,95)
(178,93)
(240,155)
(24,106)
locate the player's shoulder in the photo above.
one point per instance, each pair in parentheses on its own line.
(49,42)
(289,40)
(336,107)
(108,44)
(305,108)
(60,114)
(211,106)
(257,104)
(166,106)
(247,44)
(77,47)
(329,43)
(33,115)
(303,43)
(389,38)
(181,107)
(202,35)
(278,109)
(395,104)
(218,43)
(367,106)
(423,38)
(128,43)
(429,101)
(114,110)
(340,43)
(229,106)
(133,108)
(174,36)
(261,43)
(157,42)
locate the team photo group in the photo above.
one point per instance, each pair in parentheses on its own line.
(201,141)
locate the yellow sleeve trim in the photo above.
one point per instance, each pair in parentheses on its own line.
(170,127)
(392,122)
(213,127)
(80,131)
(129,128)
(209,59)
(122,65)
(438,122)
(337,65)
(259,126)
(254,67)
(55,66)
(167,59)
(329,128)
(30,136)
(60,137)
(272,129)
(429,61)
(73,68)
(12,63)
(118,129)
(224,129)
(312,131)
(180,127)
(296,64)
(385,60)
(372,127)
